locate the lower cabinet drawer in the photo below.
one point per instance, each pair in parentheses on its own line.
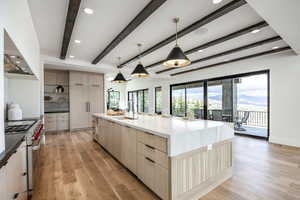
(62,125)
(153,175)
(50,126)
(153,140)
(156,155)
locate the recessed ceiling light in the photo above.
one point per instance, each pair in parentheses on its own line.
(200,50)
(217,1)
(77,41)
(275,47)
(18,62)
(72,56)
(255,31)
(226,60)
(88,11)
(12,56)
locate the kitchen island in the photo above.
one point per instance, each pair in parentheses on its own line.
(175,158)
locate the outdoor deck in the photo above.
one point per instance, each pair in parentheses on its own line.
(253,130)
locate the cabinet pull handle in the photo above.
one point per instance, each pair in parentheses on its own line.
(150,160)
(79,84)
(16,196)
(149,146)
(87,106)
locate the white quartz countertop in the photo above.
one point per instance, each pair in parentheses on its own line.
(183,135)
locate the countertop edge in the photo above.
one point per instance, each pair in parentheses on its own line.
(7,155)
(132,126)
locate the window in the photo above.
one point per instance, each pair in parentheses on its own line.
(188,100)
(241,98)
(158,100)
(138,100)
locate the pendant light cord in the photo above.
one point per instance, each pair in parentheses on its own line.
(176,20)
(140,50)
(119,58)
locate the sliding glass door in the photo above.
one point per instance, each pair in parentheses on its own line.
(241,99)
(138,100)
(220,100)
(188,100)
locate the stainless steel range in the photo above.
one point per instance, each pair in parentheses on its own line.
(34,131)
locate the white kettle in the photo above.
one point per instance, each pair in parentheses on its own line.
(14,112)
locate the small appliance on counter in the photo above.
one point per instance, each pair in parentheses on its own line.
(14,112)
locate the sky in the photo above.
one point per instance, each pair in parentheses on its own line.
(252,90)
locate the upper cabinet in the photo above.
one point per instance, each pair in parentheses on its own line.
(56,77)
(95,80)
(79,78)
(50,78)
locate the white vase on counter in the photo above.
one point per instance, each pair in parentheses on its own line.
(14,112)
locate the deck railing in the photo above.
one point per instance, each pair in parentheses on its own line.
(256,118)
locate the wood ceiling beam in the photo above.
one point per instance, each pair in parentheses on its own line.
(138,20)
(205,20)
(73,9)
(234,60)
(242,48)
(219,40)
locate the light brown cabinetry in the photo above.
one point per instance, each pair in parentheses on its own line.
(86,98)
(56,121)
(189,175)
(143,154)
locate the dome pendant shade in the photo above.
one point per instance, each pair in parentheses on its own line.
(177,58)
(140,71)
(119,78)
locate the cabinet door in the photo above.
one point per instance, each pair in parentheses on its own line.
(62,78)
(13,182)
(117,141)
(95,79)
(50,78)
(78,78)
(78,107)
(50,122)
(3,183)
(161,182)
(146,171)
(129,152)
(95,102)
(23,167)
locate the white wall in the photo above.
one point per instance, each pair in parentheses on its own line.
(284,91)
(27,93)
(2,95)
(16,19)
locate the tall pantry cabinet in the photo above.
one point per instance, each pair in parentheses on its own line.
(86,98)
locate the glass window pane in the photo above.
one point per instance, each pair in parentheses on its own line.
(140,101)
(214,96)
(195,100)
(146,101)
(178,101)
(158,100)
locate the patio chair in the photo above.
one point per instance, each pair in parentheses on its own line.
(198,113)
(238,124)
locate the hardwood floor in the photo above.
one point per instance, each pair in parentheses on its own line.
(73,167)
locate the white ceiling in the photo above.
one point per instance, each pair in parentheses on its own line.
(110,17)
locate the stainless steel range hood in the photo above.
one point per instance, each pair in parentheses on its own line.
(15,64)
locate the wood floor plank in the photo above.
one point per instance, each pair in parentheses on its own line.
(73,166)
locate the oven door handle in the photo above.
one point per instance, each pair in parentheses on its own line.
(37,143)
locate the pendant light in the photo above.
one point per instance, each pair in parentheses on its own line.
(176,57)
(119,78)
(140,70)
